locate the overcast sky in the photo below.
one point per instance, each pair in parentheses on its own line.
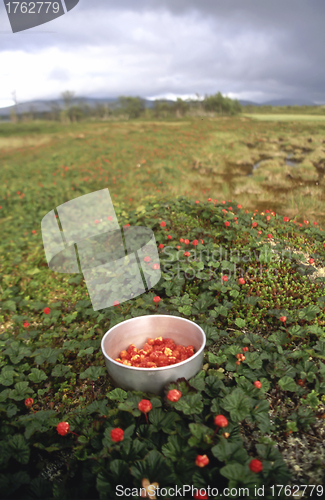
(247,49)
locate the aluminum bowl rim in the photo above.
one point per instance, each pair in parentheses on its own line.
(154,370)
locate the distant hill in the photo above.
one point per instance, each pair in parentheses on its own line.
(290,102)
(43,106)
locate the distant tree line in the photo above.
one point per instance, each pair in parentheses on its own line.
(133,108)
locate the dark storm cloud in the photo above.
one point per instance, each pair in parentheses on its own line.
(248,48)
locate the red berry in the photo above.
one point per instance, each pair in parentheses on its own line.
(29,402)
(257,384)
(227,223)
(221,421)
(311,261)
(224,278)
(254,224)
(201,495)
(47,310)
(245,349)
(201,460)
(241,281)
(174,395)
(163,224)
(283,319)
(63,428)
(156,299)
(256,465)
(145,406)
(117,434)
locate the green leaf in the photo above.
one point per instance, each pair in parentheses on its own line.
(117,395)
(7,376)
(11,482)
(265,384)
(316,330)
(237,404)
(12,410)
(221,310)
(19,449)
(288,384)
(213,386)
(9,305)
(93,373)
(253,360)
(216,360)
(234,472)
(279,338)
(200,432)
(186,310)
(176,447)
(297,331)
(37,376)
(252,301)
(17,351)
(241,323)
(47,355)
(154,465)
(60,371)
(198,381)
(21,391)
(190,404)
(226,451)
(33,271)
(162,420)
(309,313)
(85,352)
(4,395)
(260,414)
(131,405)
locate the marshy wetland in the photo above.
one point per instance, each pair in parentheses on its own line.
(265,164)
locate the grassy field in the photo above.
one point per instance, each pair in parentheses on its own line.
(49,163)
(197,177)
(286,117)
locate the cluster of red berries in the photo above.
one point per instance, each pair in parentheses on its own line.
(240,357)
(155,353)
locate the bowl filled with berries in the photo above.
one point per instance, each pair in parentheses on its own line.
(147,352)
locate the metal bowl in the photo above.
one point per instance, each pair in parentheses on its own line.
(137,331)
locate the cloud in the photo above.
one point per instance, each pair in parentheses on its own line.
(254,50)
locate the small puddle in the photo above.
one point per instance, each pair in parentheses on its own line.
(256,165)
(288,161)
(291,163)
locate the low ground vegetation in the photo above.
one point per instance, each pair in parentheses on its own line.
(252,279)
